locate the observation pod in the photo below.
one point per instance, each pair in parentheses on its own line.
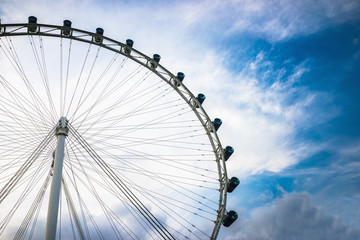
(66,30)
(228,151)
(129,45)
(230,217)
(156,60)
(201,98)
(180,76)
(99,35)
(217,123)
(232,184)
(32,22)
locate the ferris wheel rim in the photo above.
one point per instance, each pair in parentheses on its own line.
(47,30)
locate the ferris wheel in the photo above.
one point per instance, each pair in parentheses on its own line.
(117,143)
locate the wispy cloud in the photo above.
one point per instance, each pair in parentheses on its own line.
(273,20)
(259,120)
(262,120)
(292,217)
(264,108)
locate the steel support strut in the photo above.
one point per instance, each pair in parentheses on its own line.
(51,221)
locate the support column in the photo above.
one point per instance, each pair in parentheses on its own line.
(51,221)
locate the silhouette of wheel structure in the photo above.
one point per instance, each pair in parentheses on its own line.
(117,143)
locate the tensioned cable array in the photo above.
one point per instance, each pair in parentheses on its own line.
(138,149)
(144,211)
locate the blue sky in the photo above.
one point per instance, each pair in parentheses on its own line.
(284,78)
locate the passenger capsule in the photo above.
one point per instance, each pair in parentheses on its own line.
(229,218)
(99,35)
(66,31)
(67,23)
(201,98)
(129,45)
(32,19)
(217,123)
(129,42)
(180,76)
(31,27)
(156,60)
(232,184)
(227,152)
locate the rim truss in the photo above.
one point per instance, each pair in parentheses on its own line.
(159,70)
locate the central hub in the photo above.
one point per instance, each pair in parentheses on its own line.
(62,128)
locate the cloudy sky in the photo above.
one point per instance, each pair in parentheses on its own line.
(284,78)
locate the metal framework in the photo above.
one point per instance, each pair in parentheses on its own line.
(51,222)
(148,62)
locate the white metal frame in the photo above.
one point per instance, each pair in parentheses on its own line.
(159,70)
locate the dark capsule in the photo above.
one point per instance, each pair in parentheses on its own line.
(229,218)
(201,98)
(66,31)
(32,19)
(67,23)
(31,27)
(129,45)
(100,31)
(156,60)
(129,42)
(217,123)
(99,35)
(227,152)
(180,76)
(232,184)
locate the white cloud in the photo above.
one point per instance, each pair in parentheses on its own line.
(272,20)
(278,20)
(292,217)
(258,121)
